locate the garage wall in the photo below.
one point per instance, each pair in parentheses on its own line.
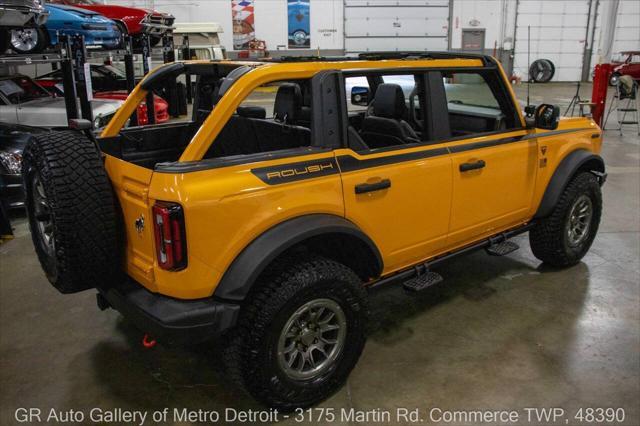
(558,27)
(487,15)
(416,25)
(558,33)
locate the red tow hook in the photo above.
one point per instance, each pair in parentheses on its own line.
(148,342)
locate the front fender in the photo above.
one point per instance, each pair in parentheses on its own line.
(251,262)
(575,161)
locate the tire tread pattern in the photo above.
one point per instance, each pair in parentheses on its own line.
(88,250)
(244,353)
(547,237)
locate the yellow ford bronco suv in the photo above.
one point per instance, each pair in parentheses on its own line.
(295,186)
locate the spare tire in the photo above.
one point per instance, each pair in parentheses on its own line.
(72,212)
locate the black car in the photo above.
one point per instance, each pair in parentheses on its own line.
(104,78)
(13,138)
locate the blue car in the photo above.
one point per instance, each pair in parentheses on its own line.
(299,24)
(97,30)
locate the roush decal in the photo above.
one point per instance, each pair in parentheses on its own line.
(284,173)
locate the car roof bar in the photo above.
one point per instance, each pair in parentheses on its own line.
(372,56)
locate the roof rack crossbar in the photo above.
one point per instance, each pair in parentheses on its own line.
(487,61)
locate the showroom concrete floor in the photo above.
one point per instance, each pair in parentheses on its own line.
(499,333)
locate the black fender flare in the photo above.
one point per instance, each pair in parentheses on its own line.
(580,159)
(255,257)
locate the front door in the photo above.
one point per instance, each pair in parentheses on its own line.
(494,161)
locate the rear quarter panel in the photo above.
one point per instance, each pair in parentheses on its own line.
(227,208)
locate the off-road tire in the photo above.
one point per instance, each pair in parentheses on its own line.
(548,238)
(82,211)
(250,348)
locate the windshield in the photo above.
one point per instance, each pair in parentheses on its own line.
(22,89)
(469,89)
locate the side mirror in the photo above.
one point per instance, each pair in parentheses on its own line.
(547,117)
(360,95)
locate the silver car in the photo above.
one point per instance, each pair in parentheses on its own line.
(22,101)
(19,14)
(22,13)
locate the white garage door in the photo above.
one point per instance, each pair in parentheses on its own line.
(558,31)
(375,25)
(627,32)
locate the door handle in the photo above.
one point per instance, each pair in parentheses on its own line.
(465,167)
(369,187)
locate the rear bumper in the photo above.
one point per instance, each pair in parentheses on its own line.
(170,320)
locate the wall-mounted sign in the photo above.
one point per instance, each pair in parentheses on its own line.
(243,23)
(299,24)
(327,32)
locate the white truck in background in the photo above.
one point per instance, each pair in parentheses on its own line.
(204,40)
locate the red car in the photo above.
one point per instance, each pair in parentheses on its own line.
(54,86)
(630,66)
(131,20)
(161,106)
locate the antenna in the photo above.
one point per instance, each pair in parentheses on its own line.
(529,110)
(528,61)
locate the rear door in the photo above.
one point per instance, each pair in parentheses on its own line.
(400,196)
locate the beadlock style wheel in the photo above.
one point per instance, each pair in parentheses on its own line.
(42,215)
(564,237)
(579,221)
(312,339)
(299,334)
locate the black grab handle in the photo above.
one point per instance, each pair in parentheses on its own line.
(465,167)
(368,187)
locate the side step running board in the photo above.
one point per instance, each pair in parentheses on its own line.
(422,281)
(421,277)
(502,249)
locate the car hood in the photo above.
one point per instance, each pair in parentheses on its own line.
(72,9)
(14,137)
(105,106)
(155,12)
(135,11)
(48,105)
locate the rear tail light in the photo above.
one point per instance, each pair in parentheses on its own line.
(169,230)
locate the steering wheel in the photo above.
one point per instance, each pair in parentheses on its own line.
(412,109)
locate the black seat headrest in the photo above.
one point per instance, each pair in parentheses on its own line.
(252,112)
(288,101)
(389,101)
